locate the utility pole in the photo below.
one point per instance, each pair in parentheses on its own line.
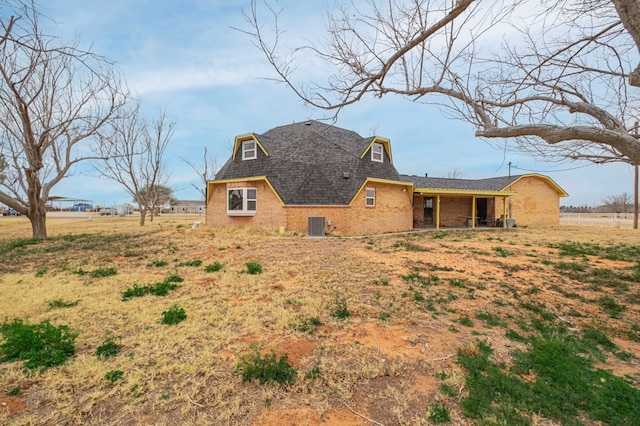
(635,188)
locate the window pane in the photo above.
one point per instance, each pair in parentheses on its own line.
(248,150)
(251,199)
(235,199)
(377,152)
(370,198)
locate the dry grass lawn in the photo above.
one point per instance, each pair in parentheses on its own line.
(416,302)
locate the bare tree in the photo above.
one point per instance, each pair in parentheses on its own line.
(206,169)
(619,203)
(132,152)
(455,174)
(557,85)
(154,197)
(54,98)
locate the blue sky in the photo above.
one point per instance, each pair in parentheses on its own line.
(184,56)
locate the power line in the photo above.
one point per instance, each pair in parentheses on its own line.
(551,171)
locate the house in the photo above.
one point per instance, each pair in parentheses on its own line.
(185,206)
(315,178)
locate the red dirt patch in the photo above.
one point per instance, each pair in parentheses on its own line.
(301,416)
(12,404)
(295,350)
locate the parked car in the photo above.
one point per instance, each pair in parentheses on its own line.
(107,211)
(10,212)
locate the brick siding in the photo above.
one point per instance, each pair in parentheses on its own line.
(536,203)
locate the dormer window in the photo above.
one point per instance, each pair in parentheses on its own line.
(249,150)
(377,153)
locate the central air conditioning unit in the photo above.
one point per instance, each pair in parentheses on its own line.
(315,226)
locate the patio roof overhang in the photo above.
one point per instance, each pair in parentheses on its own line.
(473,194)
(461,192)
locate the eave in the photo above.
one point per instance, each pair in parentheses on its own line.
(408,185)
(462,192)
(385,142)
(561,192)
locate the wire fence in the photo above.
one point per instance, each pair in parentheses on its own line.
(616,220)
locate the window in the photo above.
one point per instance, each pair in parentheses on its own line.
(370,198)
(241,201)
(377,152)
(249,151)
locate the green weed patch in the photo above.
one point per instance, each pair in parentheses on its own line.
(555,379)
(192,263)
(409,246)
(158,289)
(340,310)
(309,325)
(267,369)
(61,304)
(625,252)
(414,277)
(173,315)
(253,268)
(114,375)
(39,345)
(214,267)
(97,273)
(109,348)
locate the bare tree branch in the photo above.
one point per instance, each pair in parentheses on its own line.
(558,87)
(206,170)
(132,150)
(54,99)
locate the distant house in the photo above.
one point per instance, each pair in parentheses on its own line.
(316,179)
(185,206)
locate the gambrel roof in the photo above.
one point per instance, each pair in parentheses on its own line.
(311,163)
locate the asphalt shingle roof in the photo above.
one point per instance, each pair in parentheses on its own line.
(491,184)
(312,163)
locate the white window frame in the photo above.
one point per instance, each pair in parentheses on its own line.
(248,201)
(377,152)
(370,197)
(249,150)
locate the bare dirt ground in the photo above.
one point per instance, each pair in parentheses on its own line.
(414,302)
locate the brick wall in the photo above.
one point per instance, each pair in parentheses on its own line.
(536,203)
(391,213)
(269,213)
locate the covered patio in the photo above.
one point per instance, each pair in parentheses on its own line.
(459,208)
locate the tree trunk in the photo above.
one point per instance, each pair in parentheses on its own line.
(629,12)
(36,211)
(143,215)
(39,224)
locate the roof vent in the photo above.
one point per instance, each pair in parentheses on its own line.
(345,175)
(308,123)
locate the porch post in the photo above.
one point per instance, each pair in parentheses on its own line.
(437,212)
(504,212)
(473,212)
